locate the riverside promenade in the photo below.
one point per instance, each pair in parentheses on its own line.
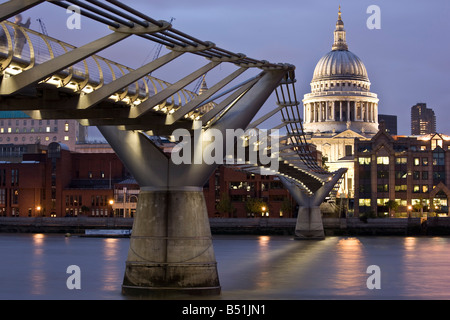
(256,226)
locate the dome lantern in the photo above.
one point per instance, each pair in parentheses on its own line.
(339,34)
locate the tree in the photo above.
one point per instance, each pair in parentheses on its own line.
(255,206)
(392,206)
(225,205)
(286,206)
(85,209)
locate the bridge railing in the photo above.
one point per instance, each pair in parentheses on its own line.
(85,76)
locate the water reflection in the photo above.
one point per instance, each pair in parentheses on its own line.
(349,267)
(38,277)
(111,273)
(425,268)
(250,267)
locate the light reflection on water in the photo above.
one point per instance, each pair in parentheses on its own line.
(33,266)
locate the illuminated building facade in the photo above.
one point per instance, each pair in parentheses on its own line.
(413,172)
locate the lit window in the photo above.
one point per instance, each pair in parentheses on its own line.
(364,160)
(9,130)
(416,161)
(364,202)
(47,138)
(2,130)
(66,138)
(382,202)
(382,160)
(47,129)
(66,127)
(401,160)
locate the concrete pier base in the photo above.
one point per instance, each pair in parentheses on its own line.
(309,224)
(171,248)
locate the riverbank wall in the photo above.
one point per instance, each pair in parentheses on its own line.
(257,226)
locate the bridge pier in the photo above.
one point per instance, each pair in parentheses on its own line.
(309,224)
(309,219)
(171,247)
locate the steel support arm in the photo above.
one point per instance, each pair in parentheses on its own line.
(13,7)
(193,104)
(171,90)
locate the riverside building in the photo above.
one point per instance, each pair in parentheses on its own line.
(412,171)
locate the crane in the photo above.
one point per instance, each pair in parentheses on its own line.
(43,28)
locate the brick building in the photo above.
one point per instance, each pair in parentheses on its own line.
(58,183)
(238,187)
(413,172)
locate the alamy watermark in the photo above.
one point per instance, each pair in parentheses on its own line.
(374,20)
(374,280)
(236,146)
(74,280)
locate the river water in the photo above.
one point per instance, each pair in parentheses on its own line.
(34,266)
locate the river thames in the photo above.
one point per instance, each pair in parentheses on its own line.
(34,266)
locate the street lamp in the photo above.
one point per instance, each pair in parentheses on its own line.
(409,211)
(263,208)
(38,208)
(111,202)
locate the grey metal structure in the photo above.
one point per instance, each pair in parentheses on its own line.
(171,246)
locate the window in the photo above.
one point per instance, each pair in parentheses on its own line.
(416,161)
(47,129)
(15,196)
(401,174)
(425,188)
(3,196)
(348,151)
(401,188)
(416,175)
(424,161)
(66,138)
(382,160)
(383,174)
(382,202)
(364,160)
(364,202)
(66,127)
(14,177)
(436,142)
(438,158)
(416,188)
(424,175)
(401,160)
(383,187)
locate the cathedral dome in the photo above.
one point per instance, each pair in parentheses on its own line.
(340,65)
(340,97)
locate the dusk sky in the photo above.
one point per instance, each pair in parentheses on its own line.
(407,59)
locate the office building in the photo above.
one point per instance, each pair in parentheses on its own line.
(423,120)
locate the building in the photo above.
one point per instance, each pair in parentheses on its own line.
(56,182)
(340,107)
(411,171)
(238,188)
(390,123)
(423,119)
(16,127)
(126,195)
